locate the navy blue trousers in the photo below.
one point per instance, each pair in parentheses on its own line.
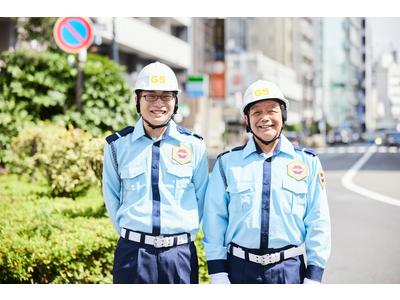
(291,270)
(141,263)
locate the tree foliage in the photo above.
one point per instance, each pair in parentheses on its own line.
(37,29)
(38,86)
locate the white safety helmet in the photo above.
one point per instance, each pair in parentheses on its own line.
(157,77)
(262,90)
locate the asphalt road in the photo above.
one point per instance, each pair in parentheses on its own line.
(365,232)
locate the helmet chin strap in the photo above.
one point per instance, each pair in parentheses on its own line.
(266,143)
(157,126)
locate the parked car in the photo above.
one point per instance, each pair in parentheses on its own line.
(369,137)
(380,135)
(293,137)
(392,138)
(339,136)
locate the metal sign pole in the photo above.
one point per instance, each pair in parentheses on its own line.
(75,35)
(79,80)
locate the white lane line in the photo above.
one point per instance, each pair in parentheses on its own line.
(393,150)
(341,150)
(361,149)
(351,149)
(347,181)
(330,150)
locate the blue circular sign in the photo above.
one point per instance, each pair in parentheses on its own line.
(73,33)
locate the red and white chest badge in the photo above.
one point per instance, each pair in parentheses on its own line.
(182,154)
(297,170)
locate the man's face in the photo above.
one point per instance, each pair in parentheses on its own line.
(157,106)
(266,119)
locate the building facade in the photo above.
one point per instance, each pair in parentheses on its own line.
(343,63)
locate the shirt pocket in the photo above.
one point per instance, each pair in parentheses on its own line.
(241,196)
(133,183)
(295,193)
(182,186)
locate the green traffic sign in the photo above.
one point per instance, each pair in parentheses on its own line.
(195,78)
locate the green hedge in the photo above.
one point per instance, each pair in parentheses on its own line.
(203,269)
(56,240)
(53,240)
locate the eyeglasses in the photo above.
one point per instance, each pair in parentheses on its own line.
(154,97)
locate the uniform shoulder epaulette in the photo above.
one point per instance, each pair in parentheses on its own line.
(233,149)
(221,154)
(115,136)
(238,148)
(308,151)
(183,130)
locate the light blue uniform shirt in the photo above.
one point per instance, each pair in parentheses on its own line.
(288,203)
(155,186)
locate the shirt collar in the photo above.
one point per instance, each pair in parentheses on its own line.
(138,132)
(173,132)
(287,146)
(250,147)
(284,145)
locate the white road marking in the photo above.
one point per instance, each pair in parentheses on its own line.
(393,149)
(382,149)
(353,149)
(361,149)
(347,181)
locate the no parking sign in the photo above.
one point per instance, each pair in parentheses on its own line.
(73,34)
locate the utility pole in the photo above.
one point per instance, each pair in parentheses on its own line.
(114,44)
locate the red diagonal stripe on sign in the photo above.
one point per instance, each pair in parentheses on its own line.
(74,32)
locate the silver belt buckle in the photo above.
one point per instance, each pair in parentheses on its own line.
(270,258)
(267,259)
(262,259)
(160,241)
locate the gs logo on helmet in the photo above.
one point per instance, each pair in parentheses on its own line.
(157,79)
(261,92)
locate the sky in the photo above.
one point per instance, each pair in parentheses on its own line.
(385,34)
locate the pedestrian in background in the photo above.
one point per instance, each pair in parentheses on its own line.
(266,203)
(154,181)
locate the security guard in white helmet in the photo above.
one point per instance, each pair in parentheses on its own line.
(154,181)
(266,203)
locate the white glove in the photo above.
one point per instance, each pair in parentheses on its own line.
(310,281)
(220,278)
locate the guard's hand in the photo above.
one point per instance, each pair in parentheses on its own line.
(309,281)
(220,278)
